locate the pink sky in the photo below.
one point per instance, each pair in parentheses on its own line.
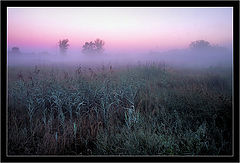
(123,29)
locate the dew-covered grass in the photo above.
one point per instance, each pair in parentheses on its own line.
(146,109)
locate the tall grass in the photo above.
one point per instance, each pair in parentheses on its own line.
(135,110)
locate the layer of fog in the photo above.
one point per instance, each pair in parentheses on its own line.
(181,58)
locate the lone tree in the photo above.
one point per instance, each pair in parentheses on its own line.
(93,47)
(15,50)
(63,45)
(200,44)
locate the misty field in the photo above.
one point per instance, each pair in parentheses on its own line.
(143,109)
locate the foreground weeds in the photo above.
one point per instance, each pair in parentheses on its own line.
(136,110)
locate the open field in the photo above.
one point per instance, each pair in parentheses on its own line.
(145,109)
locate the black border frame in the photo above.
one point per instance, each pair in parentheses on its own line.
(234,4)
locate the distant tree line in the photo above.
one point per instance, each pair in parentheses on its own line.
(92,47)
(16,50)
(204,45)
(199,44)
(96,47)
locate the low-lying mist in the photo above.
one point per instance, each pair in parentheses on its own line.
(192,58)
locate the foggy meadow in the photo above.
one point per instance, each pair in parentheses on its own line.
(92,98)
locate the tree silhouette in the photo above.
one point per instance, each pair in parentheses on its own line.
(200,44)
(99,45)
(93,47)
(88,47)
(16,50)
(63,45)
(85,47)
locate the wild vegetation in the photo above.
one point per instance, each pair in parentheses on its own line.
(147,109)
